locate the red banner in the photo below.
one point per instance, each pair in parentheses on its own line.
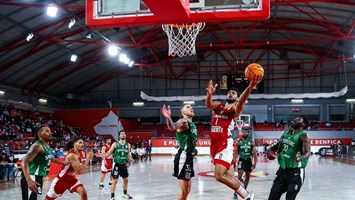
(173,143)
(329,141)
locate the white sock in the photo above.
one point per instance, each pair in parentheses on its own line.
(242,192)
(101,183)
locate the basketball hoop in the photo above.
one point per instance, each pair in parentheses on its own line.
(182,38)
(239,125)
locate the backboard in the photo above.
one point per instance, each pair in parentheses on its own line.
(246,120)
(118,13)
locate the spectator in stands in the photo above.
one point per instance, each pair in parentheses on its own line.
(149,150)
(142,153)
(4,159)
(134,153)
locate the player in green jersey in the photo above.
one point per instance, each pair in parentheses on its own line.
(186,135)
(293,153)
(36,163)
(121,151)
(246,151)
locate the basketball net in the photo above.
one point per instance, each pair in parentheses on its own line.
(182,38)
(239,124)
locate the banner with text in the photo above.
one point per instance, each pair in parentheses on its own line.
(313,141)
(173,143)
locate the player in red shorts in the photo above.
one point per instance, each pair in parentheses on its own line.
(106,164)
(68,177)
(223,119)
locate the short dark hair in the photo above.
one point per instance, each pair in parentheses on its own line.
(121,131)
(235,89)
(70,144)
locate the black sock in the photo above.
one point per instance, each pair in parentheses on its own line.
(124,191)
(112,195)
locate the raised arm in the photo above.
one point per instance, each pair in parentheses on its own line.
(35,150)
(244,96)
(181,124)
(210,90)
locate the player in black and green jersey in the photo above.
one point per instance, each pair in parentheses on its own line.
(186,135)
(36,163)
(121,151)
(293,154)
(246,151)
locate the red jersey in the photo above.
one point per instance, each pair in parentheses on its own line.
(222,123)
(67,171)
(107,148)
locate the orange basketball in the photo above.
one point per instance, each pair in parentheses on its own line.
(252,70)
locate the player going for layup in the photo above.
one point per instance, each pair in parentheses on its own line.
(186,135)
(223,118)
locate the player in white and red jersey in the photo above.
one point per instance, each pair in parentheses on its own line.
(106,164)
(68,177)
(223,118)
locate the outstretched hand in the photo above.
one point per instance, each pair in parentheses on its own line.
(166,112)
(256,80)
(211,89)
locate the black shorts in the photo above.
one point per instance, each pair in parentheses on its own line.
(119,170)
(289,181)
(184,166)
(26,193)
(245,164)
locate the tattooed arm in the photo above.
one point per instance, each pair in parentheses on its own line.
(35,149)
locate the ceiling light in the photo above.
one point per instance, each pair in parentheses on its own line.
(189,102)
(112,50)
(89,35)
(297,100)
(41,100)
(126,61)
(122,57)
(29,37)
(350,100)
(130,64)
(73,58)
(52,10)
(71,23)
(137,103)
(2,92)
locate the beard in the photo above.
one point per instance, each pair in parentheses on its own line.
(296,126)
(230,100)
(245,136)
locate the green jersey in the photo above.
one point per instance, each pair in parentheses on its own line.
(187,139)
(120,154)
(245,148)
(289,146)
(41,163)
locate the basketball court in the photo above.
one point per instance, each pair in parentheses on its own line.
(326,179)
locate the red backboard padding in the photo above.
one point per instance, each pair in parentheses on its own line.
(169,10)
